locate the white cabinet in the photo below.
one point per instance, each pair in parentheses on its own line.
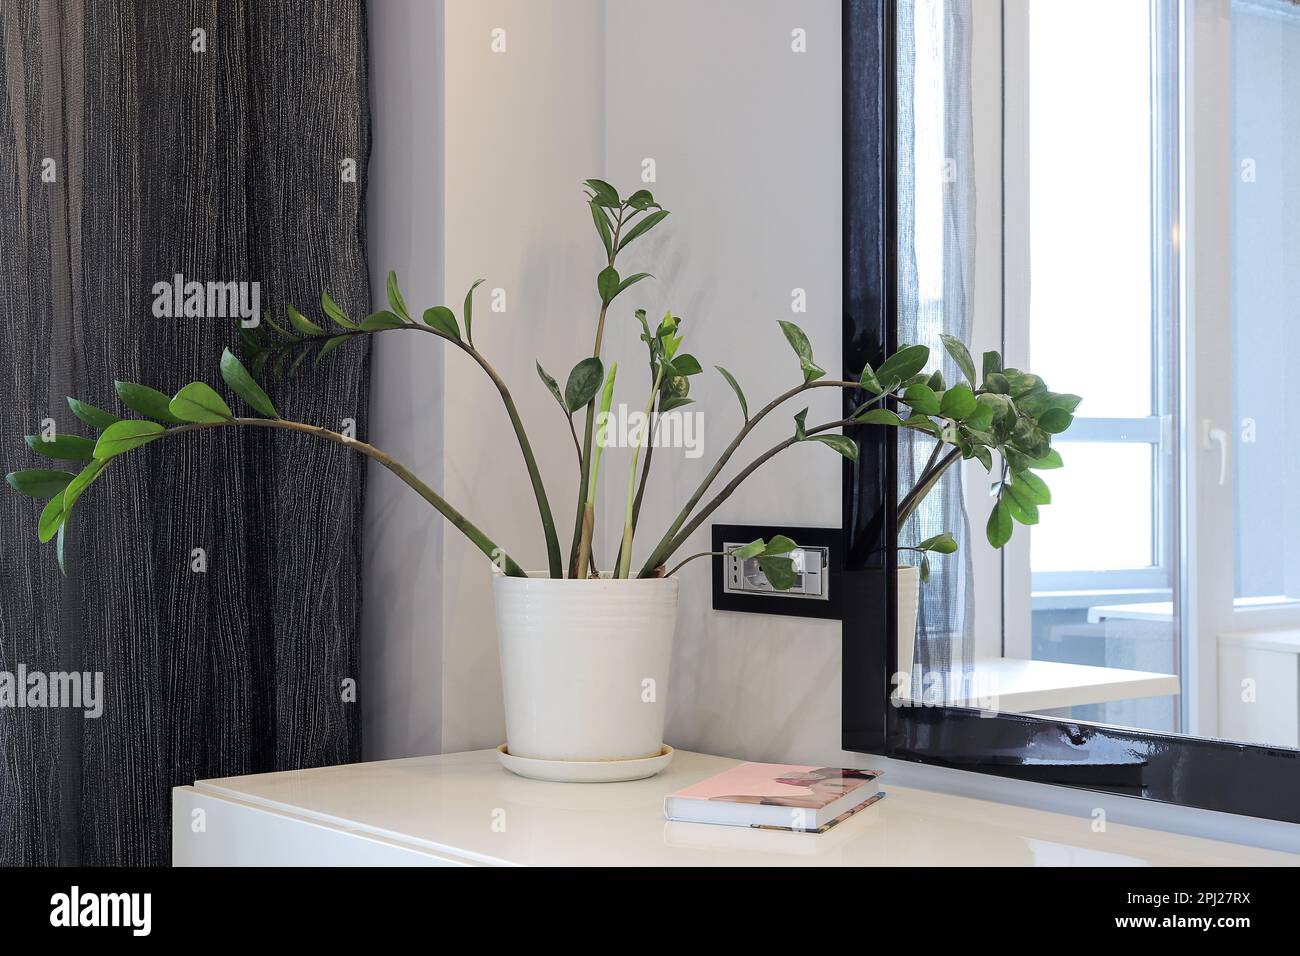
(1259,687)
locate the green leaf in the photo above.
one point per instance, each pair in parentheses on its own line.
(925,568)
(1065,401)
(936,382)
(779,544)
(921,423)
(125,435)
(147,401)
(779,571)
(980,419)
(51,519)
(242,384)
(999,525)
(80,483)
(197,402)
(992,363)
(802,348)
(1055,420)
(869,381)
(942,543)
(686,365)
(58,548)
(878,416)
(329,347)
(607,284)
(631,280)
(553,387)
(584,382)
(800,425)
(960,355)
(958,403)
(641,199)
(441,318)
(1051,460)
(606,194)
(641,228)
(903,364)
(602,228)
(845,446)
(747,551)
(303,324)
(62,447)
(1020,501)
(379,321)
(1034,487)
(735,387)
(997,383)
(468,310)
(984,455)
(922,399)
(334,312)
(676,401)
(395,300)
(40,483)
(96,418)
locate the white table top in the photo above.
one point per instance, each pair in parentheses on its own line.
(457,803)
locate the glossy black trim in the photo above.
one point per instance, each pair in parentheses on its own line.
(1196,772)
(832,539)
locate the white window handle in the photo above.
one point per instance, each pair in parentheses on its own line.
(1211,436)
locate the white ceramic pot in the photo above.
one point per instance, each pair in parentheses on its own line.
(584,665)
(909,602)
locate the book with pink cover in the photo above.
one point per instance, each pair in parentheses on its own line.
(787,796)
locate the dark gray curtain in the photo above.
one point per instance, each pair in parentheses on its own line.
(218,165)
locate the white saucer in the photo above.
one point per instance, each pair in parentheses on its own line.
(584,771)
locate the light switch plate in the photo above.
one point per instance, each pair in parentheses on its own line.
(742,586)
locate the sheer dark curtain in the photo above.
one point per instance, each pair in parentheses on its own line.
(134,149)
(936,267)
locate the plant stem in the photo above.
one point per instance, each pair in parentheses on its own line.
(660,553)
(589,506)
(556,567)
(929,478)
(701,554)
(735,483)
(589,426)
(480,540)
(629,523)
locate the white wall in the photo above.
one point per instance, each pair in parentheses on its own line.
(401,614)
(745,134)
(523,130)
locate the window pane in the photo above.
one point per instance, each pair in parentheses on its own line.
(1266,195)
(1101,516)
(1090,202)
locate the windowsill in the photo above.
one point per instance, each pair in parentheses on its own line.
(1014,685)
(1088,597)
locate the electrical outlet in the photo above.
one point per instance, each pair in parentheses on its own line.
(741,585)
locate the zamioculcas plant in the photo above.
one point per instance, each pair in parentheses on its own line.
(1004,419)
(1005,413)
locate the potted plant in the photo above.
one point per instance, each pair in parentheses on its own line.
(585,648)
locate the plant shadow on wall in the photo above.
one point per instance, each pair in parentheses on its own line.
(1004,412)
